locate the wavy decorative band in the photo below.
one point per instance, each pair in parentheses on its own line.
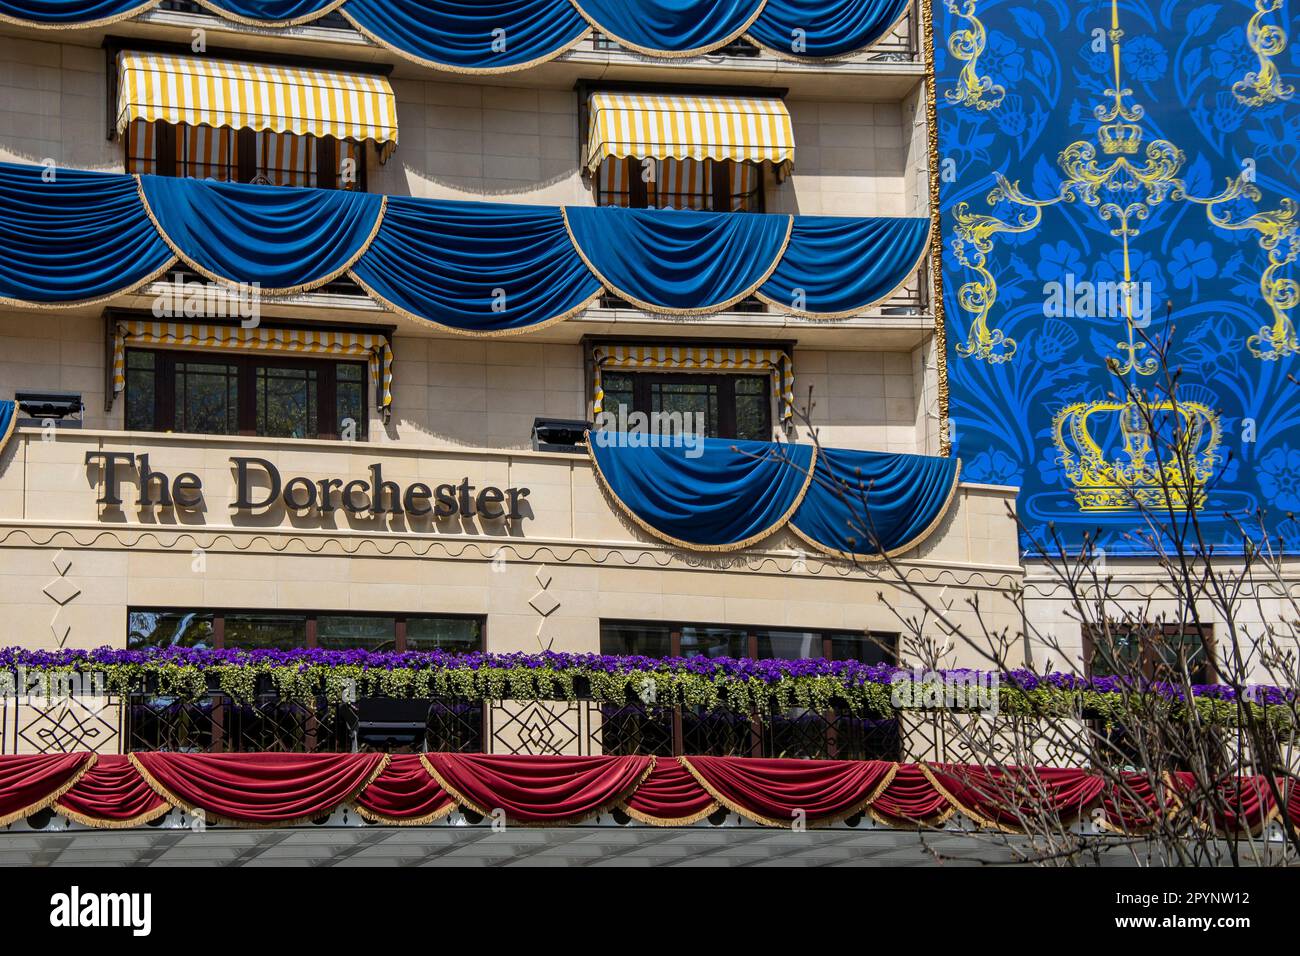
(497,36)
(73,237)
(724,495)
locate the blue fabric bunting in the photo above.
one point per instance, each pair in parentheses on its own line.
(470,34)
(671,26)
(732,495)
(844,265)
(288,239)
(678,261)
(827,27)
(77,237)
(459,34)
(8,417)
(864,503)
(445,261)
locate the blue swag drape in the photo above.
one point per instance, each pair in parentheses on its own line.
(734,494)
(68,236)
(478,268)
(8,417)
(288,239)
(496,35)
(865,503)
(446,261)
(835,266)
(678,261)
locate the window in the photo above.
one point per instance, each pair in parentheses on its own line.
(271,396)
(1157,652)
(697,640)
(244,155)
(732,406)
(275,630)
(701,184)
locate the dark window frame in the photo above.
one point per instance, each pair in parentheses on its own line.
(643,381)
(401,621)
(1150,635)
(164,417)
(751,635)
(719,197)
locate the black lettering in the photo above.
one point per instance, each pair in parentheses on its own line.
(466,503)
(151,481)
(489,496)
(446,501)
(308,488)
(326,486)
(243,490)
(417,499)
(515,494)
(382,488)
(112,486)
(352,488)
(187,490)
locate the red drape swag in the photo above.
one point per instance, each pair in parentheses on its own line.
(112,794)
(31,782)
(776,792)
(1003,797)
(1135,804)
(910,799)
(670,796)
(260,789)
(1243,804)
(405,794)
(538,790)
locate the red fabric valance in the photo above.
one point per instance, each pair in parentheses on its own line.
(405,794)
(259,789)
(31,782)
(538,790)
(112,794)
(774,792)
(283,789)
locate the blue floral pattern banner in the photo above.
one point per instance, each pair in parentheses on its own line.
(1117,180)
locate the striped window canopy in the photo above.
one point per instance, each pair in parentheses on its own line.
(198,92)
(776,362)
(373,348)
(668,126)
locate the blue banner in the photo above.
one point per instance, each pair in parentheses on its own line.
(1118,183)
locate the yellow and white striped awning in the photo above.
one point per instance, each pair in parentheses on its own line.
(374,349)
(643,125)
(775,362)
(281,99)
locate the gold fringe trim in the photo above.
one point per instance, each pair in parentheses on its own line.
(104,823)
(98,300)
(936,235)
(285,291)
(857,808)
(662,310)
(969,813)
(685,821)
(81,24)
(690,546)
(784,309)
(210,817)
(1172,807)
(839,58)
(929,529)
(673,54)
(51,798)
(425,322)
(611,804)
(250,22)
(428,818)
(933,821)
(463,70)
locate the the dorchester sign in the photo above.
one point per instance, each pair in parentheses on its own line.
(259,485)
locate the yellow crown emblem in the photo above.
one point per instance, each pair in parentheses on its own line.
(1119,138)
(1107,455)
